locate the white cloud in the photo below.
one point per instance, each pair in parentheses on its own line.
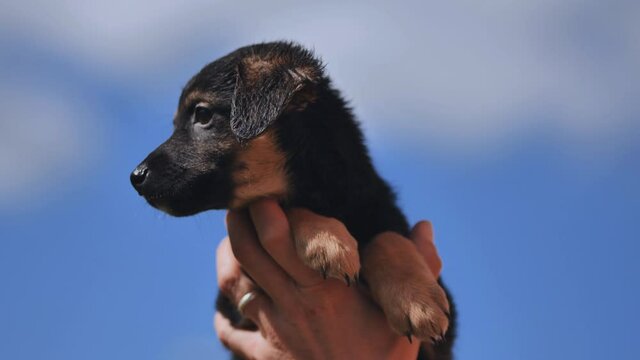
(43,140)
(462,74)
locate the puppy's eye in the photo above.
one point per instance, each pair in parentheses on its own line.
(202,115)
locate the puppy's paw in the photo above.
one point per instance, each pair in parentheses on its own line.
(417,308)
(324,244)
(403,286)
(331,255)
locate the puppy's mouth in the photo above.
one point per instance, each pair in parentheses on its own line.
(167,203)
(183,201)
(161,201)
(166,200)
(157,196)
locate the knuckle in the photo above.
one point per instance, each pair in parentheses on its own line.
(438,263)
(273,234)
(223,335)
(227,284)
(240,247)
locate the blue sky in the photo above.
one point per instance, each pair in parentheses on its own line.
(513,126)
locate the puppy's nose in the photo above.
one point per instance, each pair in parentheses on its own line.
(139,175)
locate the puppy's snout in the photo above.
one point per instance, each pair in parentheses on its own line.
(138,176)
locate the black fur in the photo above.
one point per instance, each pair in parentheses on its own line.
(330,171)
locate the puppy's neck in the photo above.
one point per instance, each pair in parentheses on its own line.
(329,169)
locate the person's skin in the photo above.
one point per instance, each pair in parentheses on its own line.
(299,314)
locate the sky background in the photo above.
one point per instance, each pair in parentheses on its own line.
(514,126)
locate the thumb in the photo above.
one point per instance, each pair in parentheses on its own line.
(422,237)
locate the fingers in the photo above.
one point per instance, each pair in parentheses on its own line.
(422,236)
(254,259)
(235,284)
(274,234)
(241,342)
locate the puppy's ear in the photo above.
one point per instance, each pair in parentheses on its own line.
(263,91)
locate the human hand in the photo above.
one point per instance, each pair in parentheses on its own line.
(300,315)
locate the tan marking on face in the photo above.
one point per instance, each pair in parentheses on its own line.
(196,96)
(258,172)
(404,287)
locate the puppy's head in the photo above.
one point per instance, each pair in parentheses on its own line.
(223,152)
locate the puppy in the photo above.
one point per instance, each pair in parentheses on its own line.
(265,121)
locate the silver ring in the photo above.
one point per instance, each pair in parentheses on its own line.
(244,300)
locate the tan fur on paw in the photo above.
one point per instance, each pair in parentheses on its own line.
(401,283)
(325,245)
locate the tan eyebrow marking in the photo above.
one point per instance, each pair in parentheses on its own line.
(195,95)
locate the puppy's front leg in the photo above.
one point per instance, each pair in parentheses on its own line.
(324,244)
(402,284)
